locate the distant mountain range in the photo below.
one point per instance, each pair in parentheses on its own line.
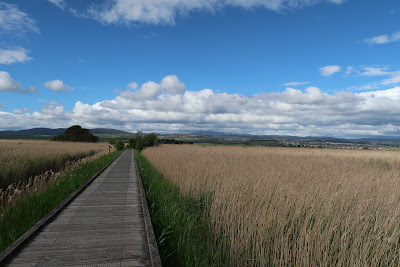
(47,131)
(211,135)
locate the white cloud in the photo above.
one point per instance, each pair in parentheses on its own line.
(295,83)
(372,71)
(393,76)
(383,39)
(173,85)
(133,85)
(7,84)
(330,70)
(337,1)
(21,111)
(165,12)
(294,112)
(149,89)
(393,79)
(59,3)
(14,21)
(393,94)
(57,86)
(350,70)
(18,54)
(2,106)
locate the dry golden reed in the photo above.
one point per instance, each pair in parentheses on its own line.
(17,156)
(294,206)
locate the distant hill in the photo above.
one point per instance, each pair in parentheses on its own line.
(107,131)
(47,131)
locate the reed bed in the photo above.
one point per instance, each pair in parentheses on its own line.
(293,206)
(27,166)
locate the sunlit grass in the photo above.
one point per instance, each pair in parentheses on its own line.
(293,206)
(21,159)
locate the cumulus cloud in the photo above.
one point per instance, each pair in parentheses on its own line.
(383,39)
(14,21)
(173,85)
(165,12)
(329,70)
(21,111)
(297,112)
(153,107)
(59,3)
(7,84)
(295,83)
(133,85)
(10,56)
(57,86)
(150,89)
(393,94)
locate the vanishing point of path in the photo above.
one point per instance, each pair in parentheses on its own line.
(103,226)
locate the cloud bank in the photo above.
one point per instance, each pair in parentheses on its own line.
(153,107)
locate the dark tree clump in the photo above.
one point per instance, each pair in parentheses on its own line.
(119,145)
(76,134)
(140,141)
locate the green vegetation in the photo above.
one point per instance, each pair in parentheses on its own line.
(141,141)
(180,222)
(76,134)
(119,145)
(16,220)
(173,141)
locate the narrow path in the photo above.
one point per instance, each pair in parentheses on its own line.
(103,226)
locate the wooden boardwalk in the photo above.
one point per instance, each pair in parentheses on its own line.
(105,225)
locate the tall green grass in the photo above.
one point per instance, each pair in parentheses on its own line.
(21,169)
(18,219)
(180,222)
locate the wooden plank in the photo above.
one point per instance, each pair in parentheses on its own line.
(104,226)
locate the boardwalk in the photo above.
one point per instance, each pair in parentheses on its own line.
(103,226)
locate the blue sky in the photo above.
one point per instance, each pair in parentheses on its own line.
(298,67)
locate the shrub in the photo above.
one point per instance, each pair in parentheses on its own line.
(140,141)
(119,145)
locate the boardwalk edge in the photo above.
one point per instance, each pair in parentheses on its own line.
(9,252)
(151,239)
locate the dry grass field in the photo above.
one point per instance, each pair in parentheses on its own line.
(29,164)
(294,206)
